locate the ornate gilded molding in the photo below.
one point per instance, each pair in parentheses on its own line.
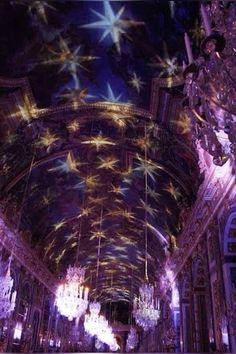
(211,196)
(150,113)
(23,253)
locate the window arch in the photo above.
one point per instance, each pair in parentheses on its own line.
(230,235)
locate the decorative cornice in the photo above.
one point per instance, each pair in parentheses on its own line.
(150,113)
(23,253)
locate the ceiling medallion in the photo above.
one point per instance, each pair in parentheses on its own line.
(71,296)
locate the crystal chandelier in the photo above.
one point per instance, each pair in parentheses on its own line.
(210,84)
(7,297)
(145,309)
(92,319)
(71,296)
(132,339)
(97,325)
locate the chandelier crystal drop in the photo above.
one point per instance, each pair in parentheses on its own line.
(132,339)
(210,83)
(71,296)
(145,309)
(7,297)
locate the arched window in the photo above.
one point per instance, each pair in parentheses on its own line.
(230,236)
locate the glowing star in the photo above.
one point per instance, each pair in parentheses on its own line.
(60,256)
(70,165)
(36,6)
(90,181)
(108,163)
(168,65)
(73,126)
(68,60)
(111,24)
(46,200)
(97,234)
(147,207)
(126,214)
(58,225)
(86,211)
(47,139)
(75,96)
(174,192)
(71,236)
(147,167)
(26,110)
(136,82)
(97,200)
(111,96)
(154,195)
(118,190)
(99,141)
(48,248)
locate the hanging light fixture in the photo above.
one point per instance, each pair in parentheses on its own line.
(96,324)
(210,82)
(71,296)
(145,309)
(132,339)
(7,297)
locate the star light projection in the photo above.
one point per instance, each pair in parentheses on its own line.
(112,24)
(97,160)
(36,6)
(67,59)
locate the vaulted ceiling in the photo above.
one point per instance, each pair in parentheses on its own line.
(97,130)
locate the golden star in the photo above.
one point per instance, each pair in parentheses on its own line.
(136,82)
